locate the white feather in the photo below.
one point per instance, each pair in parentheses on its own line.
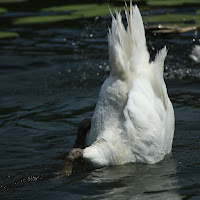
(133,120)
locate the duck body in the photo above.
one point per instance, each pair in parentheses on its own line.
(134,119)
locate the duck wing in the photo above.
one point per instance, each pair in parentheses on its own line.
(149,116)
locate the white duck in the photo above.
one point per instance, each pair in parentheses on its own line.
(195,54)
(134,119)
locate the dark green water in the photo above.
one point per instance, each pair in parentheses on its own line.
(48,85)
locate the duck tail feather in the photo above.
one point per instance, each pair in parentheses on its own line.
(127,47)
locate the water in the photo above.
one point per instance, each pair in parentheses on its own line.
(50,78)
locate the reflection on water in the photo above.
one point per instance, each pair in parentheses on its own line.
(137,181)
